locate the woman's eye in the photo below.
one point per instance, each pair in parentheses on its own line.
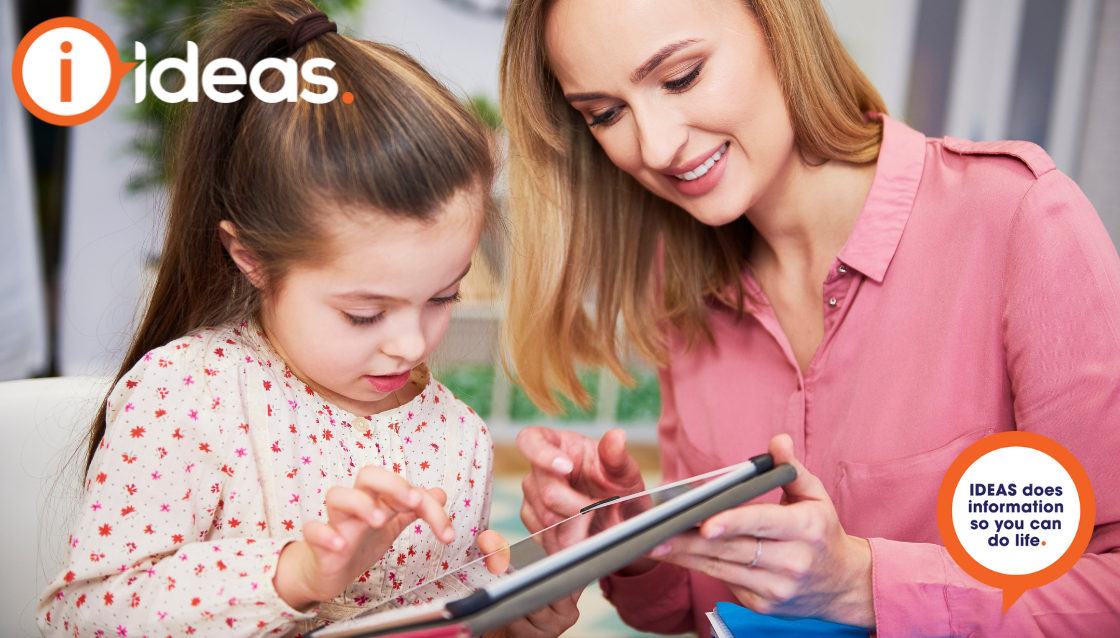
(607,117)
(359,320)
(439,301)
(680,84)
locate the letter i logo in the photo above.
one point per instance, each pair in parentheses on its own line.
(67,71)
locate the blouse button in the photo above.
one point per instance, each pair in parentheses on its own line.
(832,302)
(842,269)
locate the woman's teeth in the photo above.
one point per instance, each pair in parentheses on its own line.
(702,169)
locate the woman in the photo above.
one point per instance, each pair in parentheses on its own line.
(713,183)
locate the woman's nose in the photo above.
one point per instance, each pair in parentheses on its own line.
(661,135)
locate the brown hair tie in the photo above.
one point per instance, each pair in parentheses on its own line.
(307,28)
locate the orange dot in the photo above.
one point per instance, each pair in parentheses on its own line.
(66,47)
(347,97)
(1044,543)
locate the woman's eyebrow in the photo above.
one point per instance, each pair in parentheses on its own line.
(639,74)
(659,57)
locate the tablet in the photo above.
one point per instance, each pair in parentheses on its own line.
(614,533)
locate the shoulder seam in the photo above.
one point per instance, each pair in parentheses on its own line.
(1029,153)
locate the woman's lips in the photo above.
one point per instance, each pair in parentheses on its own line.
(706,182)
(389,382)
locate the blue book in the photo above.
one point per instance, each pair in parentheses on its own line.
(740,622)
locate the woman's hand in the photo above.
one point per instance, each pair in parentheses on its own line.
(808,566)
(570,471)
(362,523)
(547,622)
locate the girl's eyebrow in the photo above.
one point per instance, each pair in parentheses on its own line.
(363,295)
(640,73)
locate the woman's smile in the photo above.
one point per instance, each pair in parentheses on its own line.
(701,175)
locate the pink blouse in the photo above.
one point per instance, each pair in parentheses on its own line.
(977,293)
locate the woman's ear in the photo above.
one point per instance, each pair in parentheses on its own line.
(244,258)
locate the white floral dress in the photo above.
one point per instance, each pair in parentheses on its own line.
(214,458)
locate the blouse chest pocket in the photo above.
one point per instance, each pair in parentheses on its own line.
(898,500)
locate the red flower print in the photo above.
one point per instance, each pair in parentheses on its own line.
(435,447)
(288,525)
(230,621)
(148,530)
(424,465)
(397,468)
(411,550)
(327,436)
(292,428)
(444,565)
(163,363)
(128,510)
(233,522)
(204,447)
(267,385)
(227,470)
(177,435)
(69,577)
(130,384)
(101,476)
(128,459)
(221,566)
(421,426)
(162,392)
(135,602)
(81,600)
(160,413)
(308,389)
(195,602)
(276,446)
(108,598)
(314,439)
(176,538)
(400,559)
(137,432)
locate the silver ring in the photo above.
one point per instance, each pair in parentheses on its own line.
(757,554)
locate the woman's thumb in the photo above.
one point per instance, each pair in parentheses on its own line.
(616,462)
(805,486)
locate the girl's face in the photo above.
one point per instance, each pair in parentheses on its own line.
(355,326)
(681,94)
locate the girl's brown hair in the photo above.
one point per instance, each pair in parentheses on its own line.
(582,284)
(404,146)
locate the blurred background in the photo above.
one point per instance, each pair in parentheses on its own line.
(80,207)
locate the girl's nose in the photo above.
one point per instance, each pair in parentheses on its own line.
(662,136)
(408,342)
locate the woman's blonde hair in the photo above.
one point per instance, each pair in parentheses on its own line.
(588,235)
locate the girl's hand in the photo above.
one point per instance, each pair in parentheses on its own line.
(362,523)
(547,622)
(808,566)
(570,471)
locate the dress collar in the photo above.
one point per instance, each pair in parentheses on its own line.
(898,172)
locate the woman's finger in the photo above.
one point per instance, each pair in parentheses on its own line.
(542,447)
(391,488)
(799,521)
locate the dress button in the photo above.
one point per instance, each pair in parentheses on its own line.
(832,302)
(842,269)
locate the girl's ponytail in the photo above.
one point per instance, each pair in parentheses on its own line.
(402,147)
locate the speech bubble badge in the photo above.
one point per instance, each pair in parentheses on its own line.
(67,71)
(1015,511)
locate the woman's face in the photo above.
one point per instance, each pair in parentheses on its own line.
(681,94)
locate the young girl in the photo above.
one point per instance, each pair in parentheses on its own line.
(274,452)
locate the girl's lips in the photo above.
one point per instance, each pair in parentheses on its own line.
(706,182)
(389,382)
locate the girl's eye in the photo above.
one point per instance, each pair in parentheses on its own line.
(439,301)
(681,84)
(606,117)
(363,321)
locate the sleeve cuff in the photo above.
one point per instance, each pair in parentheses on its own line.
(909,582)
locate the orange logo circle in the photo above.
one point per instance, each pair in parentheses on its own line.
(1016,491)
(67,71)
